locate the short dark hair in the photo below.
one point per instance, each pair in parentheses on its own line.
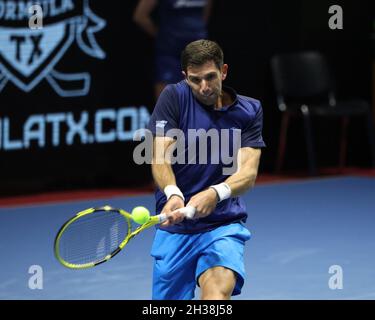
(199,52)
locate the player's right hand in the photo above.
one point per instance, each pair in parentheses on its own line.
(174,203)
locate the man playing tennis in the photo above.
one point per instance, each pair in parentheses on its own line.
(207,250)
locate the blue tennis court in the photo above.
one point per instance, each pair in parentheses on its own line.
(299,230)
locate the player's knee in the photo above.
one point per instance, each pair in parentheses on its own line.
(217,284)
(214,290)
(216,293)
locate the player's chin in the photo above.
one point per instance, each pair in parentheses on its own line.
(208,101)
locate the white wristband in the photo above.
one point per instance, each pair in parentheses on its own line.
(223,191)
(172,190)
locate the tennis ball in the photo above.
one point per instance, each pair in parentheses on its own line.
(140,215)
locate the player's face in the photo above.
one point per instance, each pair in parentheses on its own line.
(206,81)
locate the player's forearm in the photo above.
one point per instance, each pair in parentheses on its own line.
(163,175)
(161,167)
(241,182)
(244,178)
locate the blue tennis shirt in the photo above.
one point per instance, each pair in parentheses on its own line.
(196,169)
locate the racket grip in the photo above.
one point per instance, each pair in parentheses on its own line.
(188,211)
(162,217)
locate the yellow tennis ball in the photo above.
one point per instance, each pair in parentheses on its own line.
(140,215)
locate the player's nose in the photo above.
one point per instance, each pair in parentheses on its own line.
(204,89)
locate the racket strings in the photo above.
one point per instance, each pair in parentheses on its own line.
(92,237)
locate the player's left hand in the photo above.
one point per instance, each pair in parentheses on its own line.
(204,202)
(170,210)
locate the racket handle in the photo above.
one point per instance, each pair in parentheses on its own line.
(188,211)
(162,217)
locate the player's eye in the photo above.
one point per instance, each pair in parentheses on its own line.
(195,80)
(211,77)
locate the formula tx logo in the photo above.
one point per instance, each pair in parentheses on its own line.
(28,56)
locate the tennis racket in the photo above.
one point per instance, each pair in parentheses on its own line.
(96,235)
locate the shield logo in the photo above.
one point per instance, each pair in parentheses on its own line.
(28,56)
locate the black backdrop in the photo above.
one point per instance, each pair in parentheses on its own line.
(250,32)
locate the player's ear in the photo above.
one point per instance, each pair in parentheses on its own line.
(184,74)
(224,71)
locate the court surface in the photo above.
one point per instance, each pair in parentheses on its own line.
(299,230)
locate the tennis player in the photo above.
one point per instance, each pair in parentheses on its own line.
(178,22)
(208,250)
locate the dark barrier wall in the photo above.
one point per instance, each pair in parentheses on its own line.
(68,113)
(73,93)
(253,31)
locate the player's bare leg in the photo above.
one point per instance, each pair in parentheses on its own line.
(217,283)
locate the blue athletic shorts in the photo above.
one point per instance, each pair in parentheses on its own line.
(179,259)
